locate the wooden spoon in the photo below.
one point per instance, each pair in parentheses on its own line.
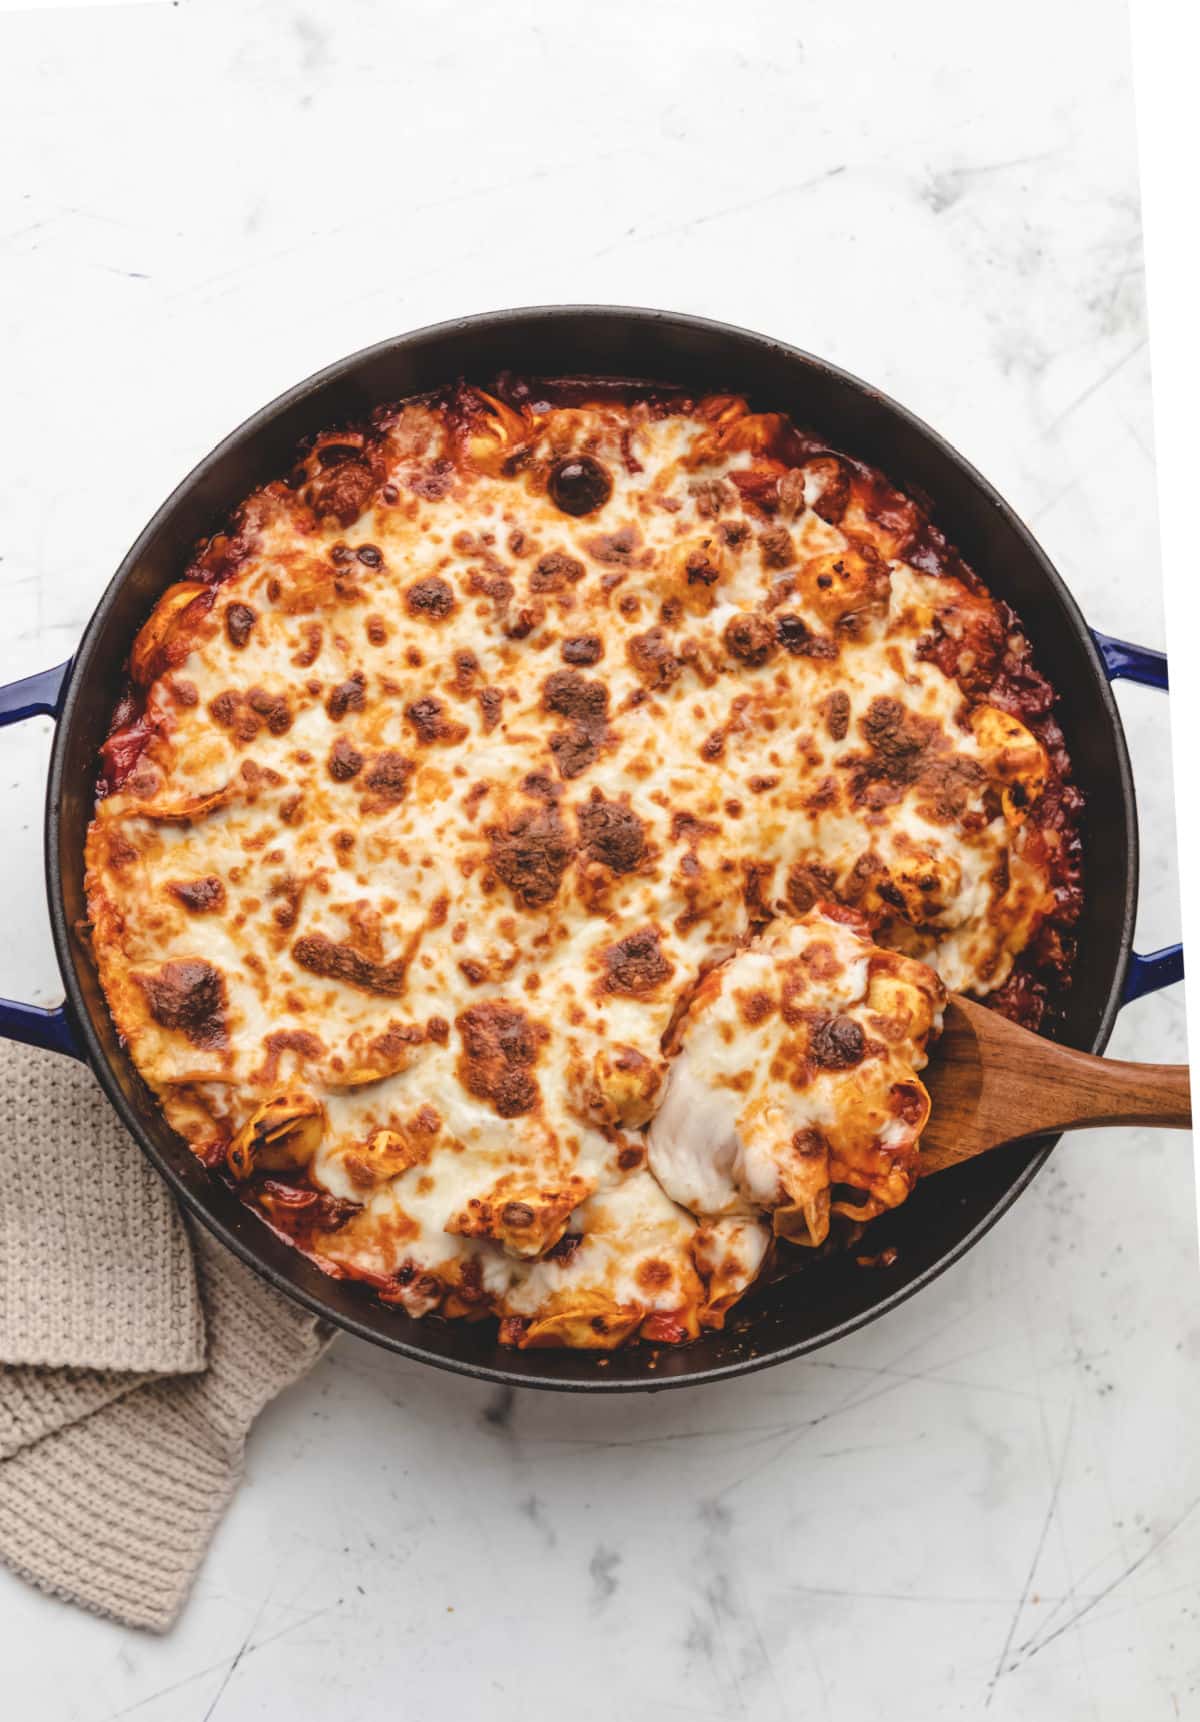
(992,1082)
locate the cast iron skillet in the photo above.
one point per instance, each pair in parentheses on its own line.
(943,1218)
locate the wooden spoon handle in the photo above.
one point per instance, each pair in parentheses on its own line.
(1098,1091)
(1114,1092)
(1089,1091)
(992,1082)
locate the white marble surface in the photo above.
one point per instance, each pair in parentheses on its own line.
(986,1502)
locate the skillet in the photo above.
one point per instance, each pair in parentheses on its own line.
(945,1216)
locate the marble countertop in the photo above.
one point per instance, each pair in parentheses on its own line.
(987,1501)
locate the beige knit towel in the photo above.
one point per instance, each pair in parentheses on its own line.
(134,1355)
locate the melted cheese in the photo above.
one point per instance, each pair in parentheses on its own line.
(453,796)
(796,1072)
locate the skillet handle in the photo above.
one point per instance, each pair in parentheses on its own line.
(1123,660)
(37,696)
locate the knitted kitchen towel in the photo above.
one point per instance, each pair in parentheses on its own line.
(134,1355)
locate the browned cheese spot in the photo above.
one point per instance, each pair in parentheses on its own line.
(836,1043)
(231,712)
(433,480)
(531,853)
(555,571)
(585,704)
(583,650)
(348,696)
(500,1049)
(466,668)
(798,639)
(391,1051)
(712,497)
(239,620)
(906,749)
(611,832)
(290,891)
(428,717)
(822,797)
(845,585)
(687,828)
(636,965)
(701,565)
(750,638)
(199,896)
(344,761)
(809,1145)
(835,709)
(387,777)
(189,996)
(310,651)
(491,701)
(755,1007)
(283,1040)
(273,709)
(320,956)
(431,599)
(733,533)
(776,548)
(653,659)
(614,549)
(343,489)
(757,877)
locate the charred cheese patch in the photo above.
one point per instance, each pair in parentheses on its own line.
(451,768)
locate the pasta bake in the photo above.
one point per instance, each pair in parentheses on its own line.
(537,836)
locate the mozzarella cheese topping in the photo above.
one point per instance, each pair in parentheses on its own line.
(793,1090)
(471,784)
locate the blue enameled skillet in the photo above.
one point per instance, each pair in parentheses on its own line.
(946,1215)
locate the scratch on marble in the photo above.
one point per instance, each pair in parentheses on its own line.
(751,1659)
(1094,387)
(944,189)
(214,286)
(1039,1644)
(1060,495)
(1000,1668)
(1137,438)
(126,274)
(233,1666)
(891,1380)
(246,1650)
(631,236)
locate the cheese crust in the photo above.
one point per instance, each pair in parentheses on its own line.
(471,784)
